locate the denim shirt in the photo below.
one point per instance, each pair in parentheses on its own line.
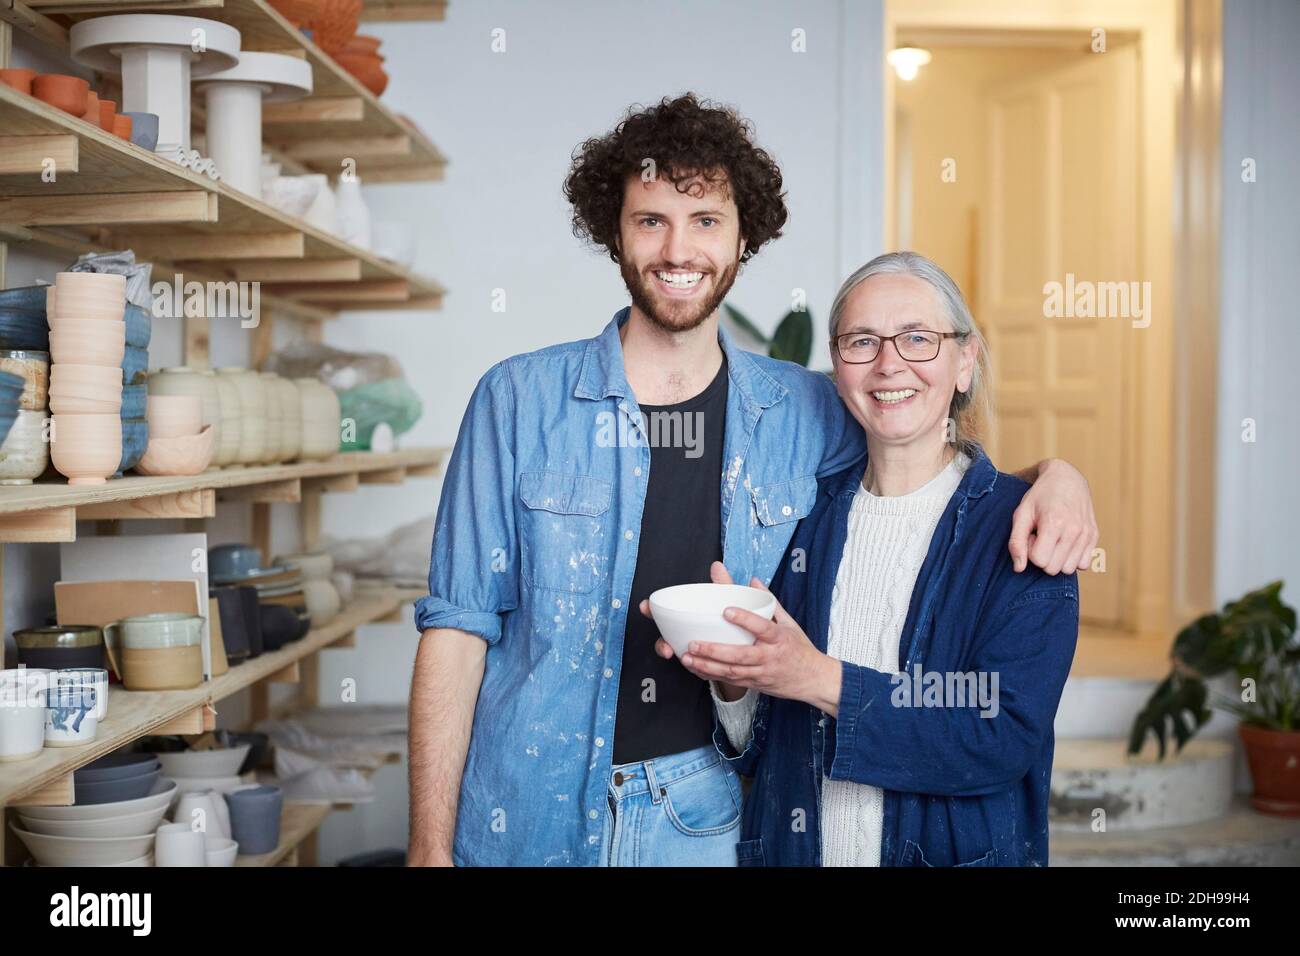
(960,789)
(534,549)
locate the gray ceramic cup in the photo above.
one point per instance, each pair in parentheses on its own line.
(255,818)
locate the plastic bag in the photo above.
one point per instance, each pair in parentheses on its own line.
(401,557)
(386,409)
(138,286)
(339,369)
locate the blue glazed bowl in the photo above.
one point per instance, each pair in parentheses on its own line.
(139,326)
(134,364)
(135,438)
(134,401)
(228,561)
(28,298)
(24,329)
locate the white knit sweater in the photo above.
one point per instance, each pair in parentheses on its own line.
(883,552)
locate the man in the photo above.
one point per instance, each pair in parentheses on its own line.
(544,727)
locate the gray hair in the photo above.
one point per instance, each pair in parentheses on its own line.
(971,411)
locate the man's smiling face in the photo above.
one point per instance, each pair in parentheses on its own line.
(679,252)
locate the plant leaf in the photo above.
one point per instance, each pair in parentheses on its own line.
(749,327)
(792,340)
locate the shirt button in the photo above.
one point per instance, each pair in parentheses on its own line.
(627,535)
(600,741)
(786,510)
(593,814)
(599,646)
(637,472)
(617,603)
(609,672)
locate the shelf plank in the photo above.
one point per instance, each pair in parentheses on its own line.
(135,714)
(55,153)
(221,221)
(44,497)
(198,503)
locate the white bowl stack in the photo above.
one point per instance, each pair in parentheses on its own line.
(97,834)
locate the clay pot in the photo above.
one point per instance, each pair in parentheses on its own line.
(1274,758)
(363,45)
(67,93)
(122,127)
(92,108)
(93,343)
(107,110)
(86,448)
(366,68)
(20,80)
(182,455)
(335,23)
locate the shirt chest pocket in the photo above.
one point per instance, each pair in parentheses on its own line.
(564,533)
(777,508)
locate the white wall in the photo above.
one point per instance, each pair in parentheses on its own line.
(1258,515)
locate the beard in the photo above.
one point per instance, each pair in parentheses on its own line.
(674,316)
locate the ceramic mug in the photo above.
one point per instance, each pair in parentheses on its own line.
(177,844)
(70,716)
(151,631)
(204,810)
(96,678)
(255,818)
(22,713)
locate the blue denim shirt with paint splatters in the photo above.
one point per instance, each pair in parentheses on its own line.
(534,550)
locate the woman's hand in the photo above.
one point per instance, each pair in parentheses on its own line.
(1054,526)
(782,662)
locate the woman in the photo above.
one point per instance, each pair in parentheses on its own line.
(910,677)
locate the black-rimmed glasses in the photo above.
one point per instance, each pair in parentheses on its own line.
(914,345)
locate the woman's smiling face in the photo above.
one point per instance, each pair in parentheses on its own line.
(897,402)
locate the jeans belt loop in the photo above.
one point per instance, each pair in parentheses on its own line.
(652,782)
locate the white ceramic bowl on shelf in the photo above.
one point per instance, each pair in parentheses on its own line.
(84,851)
(163,793)
(132,824)
(204,763)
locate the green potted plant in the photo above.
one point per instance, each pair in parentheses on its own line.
(791,341)
(1255,637)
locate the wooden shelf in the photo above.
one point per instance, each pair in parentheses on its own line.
(136,714)
(403,10)
(127,197)
(54,499)
(386,147)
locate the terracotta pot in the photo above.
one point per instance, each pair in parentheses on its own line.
(363,44)
(122,127)
(92,108)
(366,68)
(107,110)
(335,23)
(20,80)
(67,93)
(1274,758)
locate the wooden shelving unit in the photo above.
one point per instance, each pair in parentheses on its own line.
(107,195)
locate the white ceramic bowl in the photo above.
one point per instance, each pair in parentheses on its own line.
(192,764)
(178,845)
(164,792)
(133,824)
(221,852)
(693,612)
(84,851)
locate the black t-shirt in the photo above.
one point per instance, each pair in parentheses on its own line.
(662,707)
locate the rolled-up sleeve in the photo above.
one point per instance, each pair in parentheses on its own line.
(474,565)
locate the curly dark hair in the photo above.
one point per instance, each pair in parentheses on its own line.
(688,140)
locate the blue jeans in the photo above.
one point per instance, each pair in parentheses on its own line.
(679,810)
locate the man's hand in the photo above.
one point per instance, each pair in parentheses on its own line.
(1055,526)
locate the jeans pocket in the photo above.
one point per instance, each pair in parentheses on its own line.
(913,856)
(704,803)
(750,853)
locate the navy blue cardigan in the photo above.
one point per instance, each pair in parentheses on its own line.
(966,775)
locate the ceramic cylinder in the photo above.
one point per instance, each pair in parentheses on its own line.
(234,133)
(232,426)
(320,418)
(290,420)
(274,418)
(252,414)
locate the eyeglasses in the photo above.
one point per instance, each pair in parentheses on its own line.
(914,345)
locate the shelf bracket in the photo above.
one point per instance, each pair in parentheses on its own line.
(339,483)
(56,793)
(29,527)
(35,154)
(289,674)
(197,721)
(317,109)
(257,245)
(289,490)
(384,476)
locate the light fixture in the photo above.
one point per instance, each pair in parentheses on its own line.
(907,60)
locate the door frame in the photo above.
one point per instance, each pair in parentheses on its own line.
(1172,443)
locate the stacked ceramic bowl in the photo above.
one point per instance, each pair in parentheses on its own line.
(202,384)
(179,442)
(282,605)
(320,418)
(319,595)
(87,337)
(120,800)
(135,361)
(24,450)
